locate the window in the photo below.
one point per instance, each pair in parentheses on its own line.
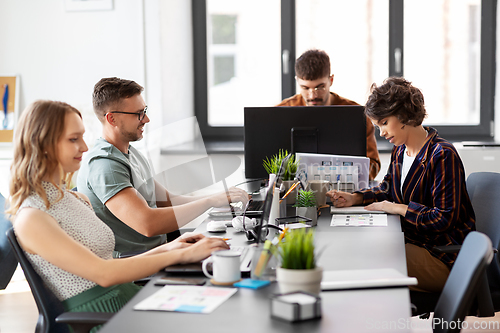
(451,58)
(446,48)
(242,63)
(355,34)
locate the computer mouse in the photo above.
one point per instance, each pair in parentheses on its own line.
(216,226)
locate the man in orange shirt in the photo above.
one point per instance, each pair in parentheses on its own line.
(312,70)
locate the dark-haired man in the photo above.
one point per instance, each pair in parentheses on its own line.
(119,181)
(313,74)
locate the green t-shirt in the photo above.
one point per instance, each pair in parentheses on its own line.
(105,172)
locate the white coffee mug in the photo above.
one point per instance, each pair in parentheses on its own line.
(226,266)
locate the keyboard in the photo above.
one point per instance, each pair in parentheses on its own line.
(254,209)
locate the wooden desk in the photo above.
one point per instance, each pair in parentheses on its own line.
(366,310)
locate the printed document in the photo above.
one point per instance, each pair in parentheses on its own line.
(359,220)
(194,299)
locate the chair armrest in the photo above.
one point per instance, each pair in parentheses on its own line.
(453,249)
(96,318)
(448,249)
(83,322)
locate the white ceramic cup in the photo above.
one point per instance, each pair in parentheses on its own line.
(320,187)
(226,266)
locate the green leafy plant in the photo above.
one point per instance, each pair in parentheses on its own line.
(272,165)
(296,250)
(305,199)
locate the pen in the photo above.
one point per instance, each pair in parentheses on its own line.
(338,182)
(263,259)
(289,191)
(282,234)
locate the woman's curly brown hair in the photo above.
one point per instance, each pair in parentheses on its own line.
(396,97)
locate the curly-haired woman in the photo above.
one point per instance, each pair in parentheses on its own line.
(425,183)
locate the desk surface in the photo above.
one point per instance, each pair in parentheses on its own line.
(367,310)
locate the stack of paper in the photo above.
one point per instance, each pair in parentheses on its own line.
(365,278)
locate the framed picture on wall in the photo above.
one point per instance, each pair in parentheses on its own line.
(84,5)
(9,106)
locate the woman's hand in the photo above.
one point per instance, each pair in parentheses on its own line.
(388,207)
(203,249)
(183,241)
(344,199)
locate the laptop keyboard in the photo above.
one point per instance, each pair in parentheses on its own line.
(255,206)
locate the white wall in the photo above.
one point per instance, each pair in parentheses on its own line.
(60,54)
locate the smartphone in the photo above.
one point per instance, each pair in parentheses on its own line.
(180,281)
(292,219)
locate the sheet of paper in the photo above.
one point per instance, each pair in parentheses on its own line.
(354,210)
(195,299)
(365,278)
(359,220)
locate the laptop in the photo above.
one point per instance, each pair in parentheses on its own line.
(255,207)
(245,250)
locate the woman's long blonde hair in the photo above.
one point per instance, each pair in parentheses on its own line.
(37,133)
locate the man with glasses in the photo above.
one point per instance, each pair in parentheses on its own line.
(119,181)
(313,74)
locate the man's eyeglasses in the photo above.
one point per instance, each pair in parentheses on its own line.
(140,114)
(317,89)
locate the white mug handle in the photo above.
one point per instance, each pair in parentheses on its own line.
(204,267)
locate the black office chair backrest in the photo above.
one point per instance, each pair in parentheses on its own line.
(461,286)
(484,190)
(8,261)
(49,307)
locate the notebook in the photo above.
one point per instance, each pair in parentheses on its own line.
(365,278)
(246,250)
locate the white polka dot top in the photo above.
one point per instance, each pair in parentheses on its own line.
(77,219)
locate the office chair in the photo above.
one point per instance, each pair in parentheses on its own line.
(483,189)
(461,286)
(483,192)
(8,261)
(52,318)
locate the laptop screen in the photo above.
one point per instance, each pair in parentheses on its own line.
(282,169)
(261,228)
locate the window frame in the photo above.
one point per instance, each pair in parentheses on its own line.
(484,131)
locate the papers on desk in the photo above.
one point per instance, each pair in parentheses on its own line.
(194,299)
(354,210)
(359,220)
(365,278)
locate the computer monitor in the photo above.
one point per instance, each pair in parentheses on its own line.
(347,173)
(336,129)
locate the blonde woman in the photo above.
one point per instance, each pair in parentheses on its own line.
(69,247)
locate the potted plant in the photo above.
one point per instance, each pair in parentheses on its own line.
(272,165)
(306,205)
(297,269)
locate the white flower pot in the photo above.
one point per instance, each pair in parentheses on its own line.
(308,280)
(310,212)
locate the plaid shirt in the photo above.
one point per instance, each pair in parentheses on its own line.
(439,208)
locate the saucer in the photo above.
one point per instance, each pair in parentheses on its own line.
(212,281)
